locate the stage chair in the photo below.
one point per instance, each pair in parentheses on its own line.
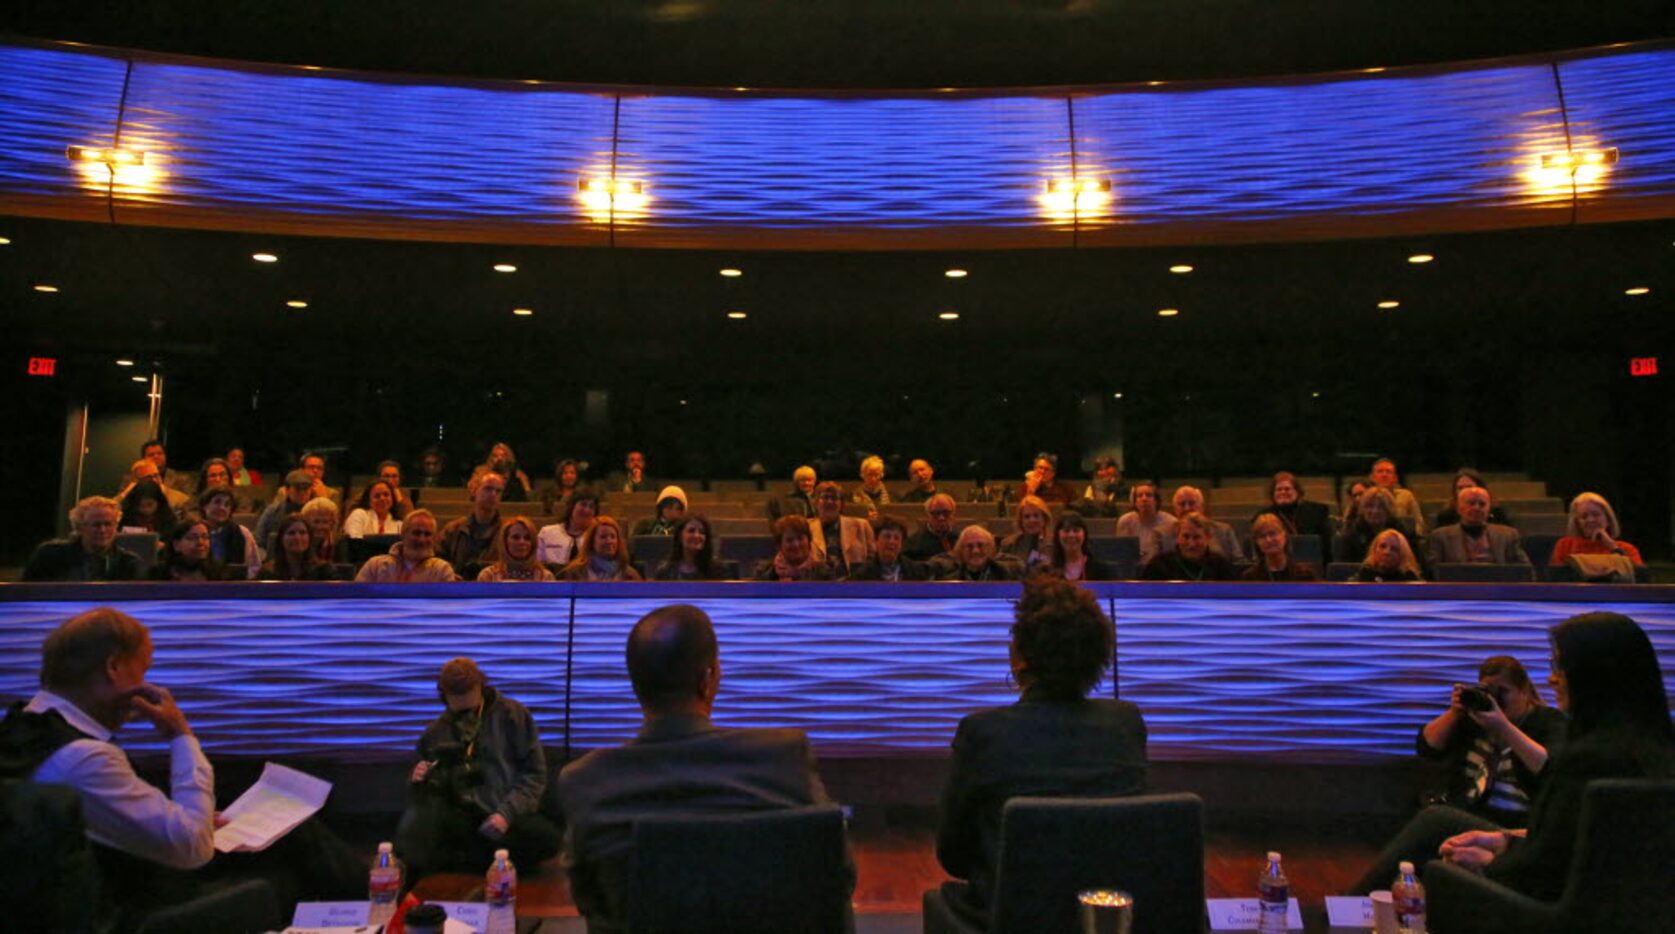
(1150,846)
(1485,573)
(1619,874)
(1342,570)
(763,871)
(143,544)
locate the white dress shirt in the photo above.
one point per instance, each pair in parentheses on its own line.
(364,522)
(120,809)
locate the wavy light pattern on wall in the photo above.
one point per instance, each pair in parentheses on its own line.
(265,148)
(352,674)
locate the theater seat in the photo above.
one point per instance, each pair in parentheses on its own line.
(1121,551)
(143,545)
(1484,573)
(1150,846)
(1341,570)
(1618,882)
(747,549)
(763,871)
(1306,549)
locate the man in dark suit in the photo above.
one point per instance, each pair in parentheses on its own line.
(1476,540)
(679,762)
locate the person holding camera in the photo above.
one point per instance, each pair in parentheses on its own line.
(1496,736)
(478,783)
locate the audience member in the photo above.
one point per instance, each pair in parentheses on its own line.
(1154,528)
(634,479)
(321,515)
(936,535)
(567,477)
(841,541)
(1286,500)
(975,558)
(146,469)
(1404,505)
(1222,537)
(153,849)
(1107,494)
(871,493)
(1389,560)
(1054,741)
(795,559)
(376,514)
(924,482)
(170,478)
(411,560)
(502,461)
(1272,545)
(299,489)
(1042,481)
(90,553)
(478,783)
(671,512)
(185,555)
(1474,539)
(229,542)
(888,562)
(1069,556)
(315,466)
(389,471)
(1373,516)
(293,557)
(800,500)
(679,763)
(1592,530)
(1192,558)
(1351,504)
(470,540)
(433,469)
(517,554)
(215,472)
(1029,544)
(146,509)
(557,542)
(1464,479)
(603,555)
(691,554)
(241,474)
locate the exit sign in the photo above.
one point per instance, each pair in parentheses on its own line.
(1643,366)
(43,366)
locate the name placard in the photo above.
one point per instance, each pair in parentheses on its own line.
(1241,914)
(1349,911)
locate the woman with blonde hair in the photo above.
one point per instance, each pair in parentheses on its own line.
(603,555)
(517,554)
(1030,543)
(1389,559)
(1592,530)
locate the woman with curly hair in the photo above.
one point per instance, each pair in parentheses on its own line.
(517,555)
(1389,559)
(1055,741)
(603,555)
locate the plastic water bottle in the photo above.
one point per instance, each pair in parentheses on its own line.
(1274,891)
(383,885)
(500,890)
(1409,897)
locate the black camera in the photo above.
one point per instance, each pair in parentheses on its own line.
(1479,698)
(455,777)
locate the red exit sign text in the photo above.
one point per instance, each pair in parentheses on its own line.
(1643,366)
(43,366)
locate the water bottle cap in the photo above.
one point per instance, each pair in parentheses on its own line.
(385,847)
(1273,856)
(502,854)
(1406,868)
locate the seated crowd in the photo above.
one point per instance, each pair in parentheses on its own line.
(1510,807)
(821,531)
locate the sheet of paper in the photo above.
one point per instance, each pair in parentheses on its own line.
(280,800)
(330,914)
(1349,911)
(1240,914)
(469,916)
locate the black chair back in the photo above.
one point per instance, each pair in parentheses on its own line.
(762,871)
(1341,570)
(1485,573)
(651,548)
(1307,549)
(747,549)
(364,549)
(142,544)
(1122,552)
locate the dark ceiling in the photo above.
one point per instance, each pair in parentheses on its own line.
(849,44)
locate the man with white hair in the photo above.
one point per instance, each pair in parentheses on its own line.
(800,501)
(90,553)
(976,559)
(1475,540)
(936,535)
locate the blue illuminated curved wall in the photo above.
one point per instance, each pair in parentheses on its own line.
(246,147)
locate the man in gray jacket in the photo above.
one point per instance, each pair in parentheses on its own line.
(477,786)
(1476,540)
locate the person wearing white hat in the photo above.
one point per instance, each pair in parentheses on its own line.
(671,511)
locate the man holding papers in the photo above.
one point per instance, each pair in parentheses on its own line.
(92,682)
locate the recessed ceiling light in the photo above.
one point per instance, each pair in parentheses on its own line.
(505,267)
(1637,290)
(46,288)
(264,257)
(949,316)
(296,303)
(523,312)
(955,273)
(737,315)
(1180,268)
(1389,303)
(142,379)
(1314,395)
(732,273)
(124,362)
(5,241)
(1420,258)
(1168,312)
(1116,395)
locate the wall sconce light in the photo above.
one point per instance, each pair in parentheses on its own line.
(1573,159)
(1078,186)
(111,157)
(610,186)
